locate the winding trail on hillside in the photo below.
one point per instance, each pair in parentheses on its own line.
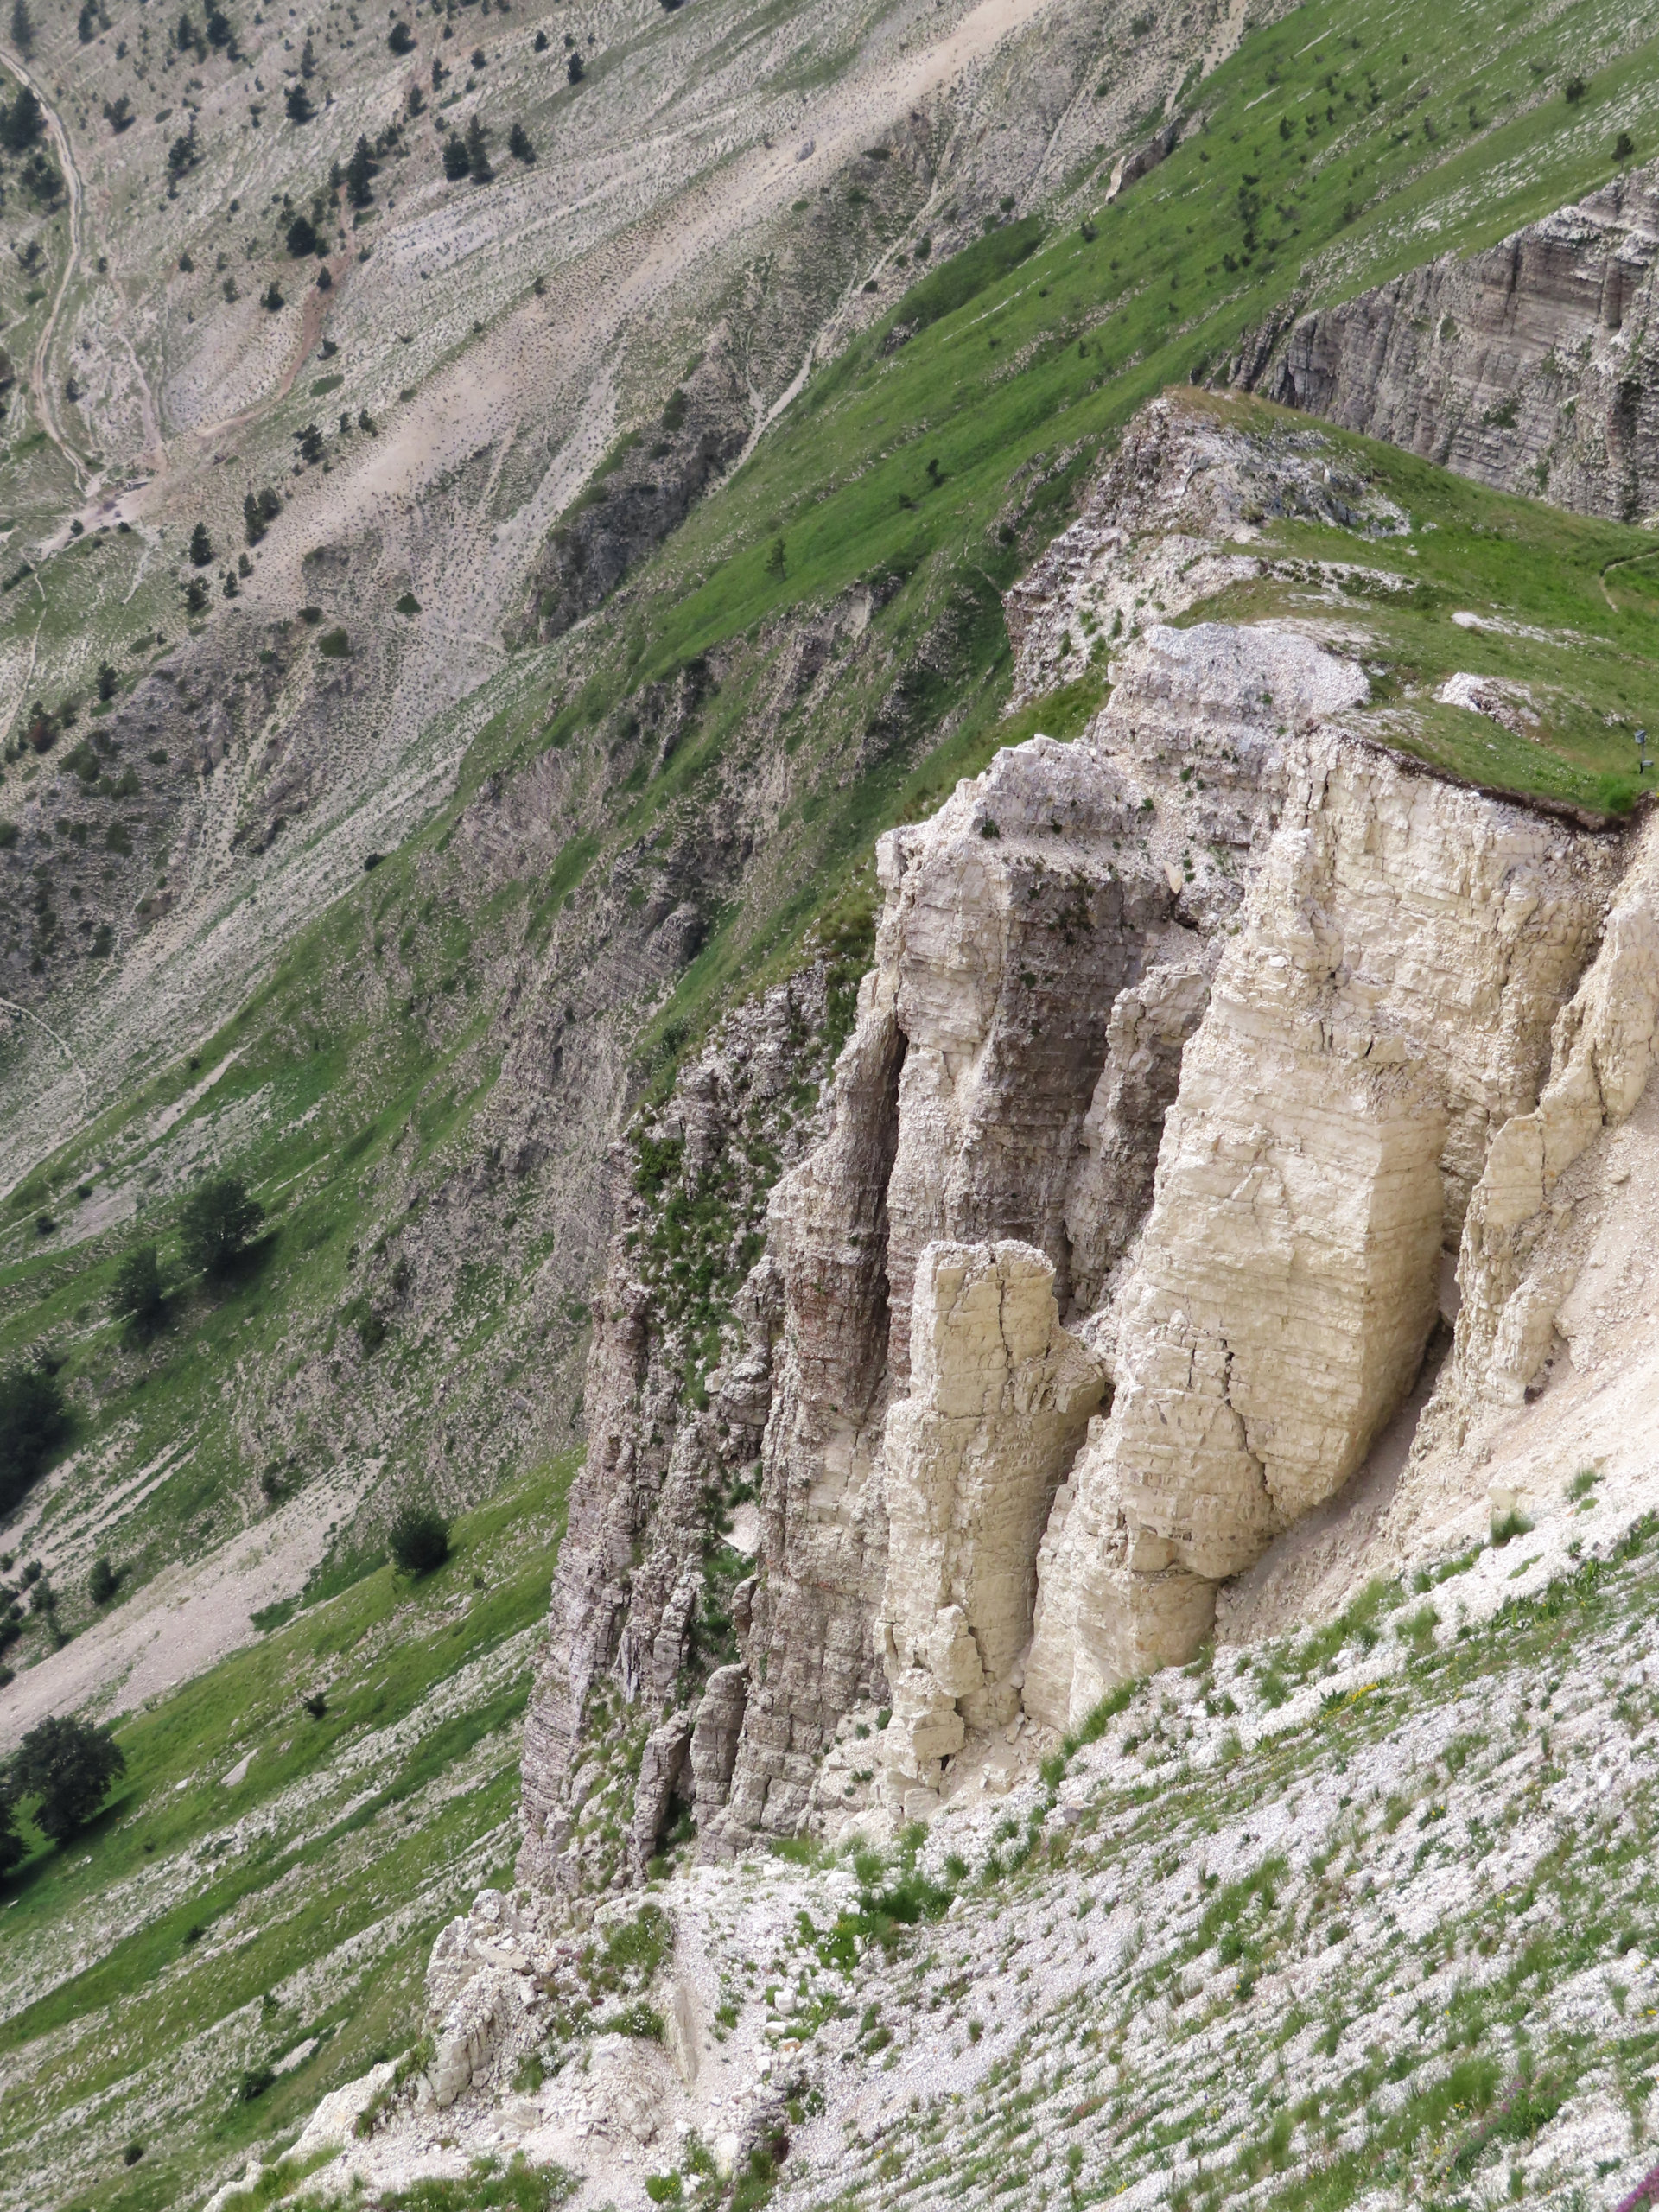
(39,381)
(10,1006)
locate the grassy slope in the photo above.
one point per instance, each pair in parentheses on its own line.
(1422,1976)
(1571,610)
(315,1884)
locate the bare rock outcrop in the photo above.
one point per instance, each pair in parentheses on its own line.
(1530,366)
(999,1395)
(1191,1051)
(644,489)
(678,1391)
(1514,1277)
(1404,950)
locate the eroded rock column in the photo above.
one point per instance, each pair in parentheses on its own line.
(1404,952)
(1000,1397)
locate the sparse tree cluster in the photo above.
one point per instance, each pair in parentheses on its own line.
(259,511)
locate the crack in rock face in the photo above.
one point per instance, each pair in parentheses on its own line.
(1000,1397)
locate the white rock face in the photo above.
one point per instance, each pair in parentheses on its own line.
(1229,1017)
(1404,949)
(331,2124)
(999,1397)
(1513,1283)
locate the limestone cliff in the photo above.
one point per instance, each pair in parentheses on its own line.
(1191,1054)
(1530,366)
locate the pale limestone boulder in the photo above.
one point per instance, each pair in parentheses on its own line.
(1000,1397)
(334,2123)
(661,1763)
(714,1738)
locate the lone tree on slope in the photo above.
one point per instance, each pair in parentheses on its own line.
(34,1424)
(359,171)
(477,152)
(69,1768)
(218,1223)
(202,547)
(137,1294)
(418,1540)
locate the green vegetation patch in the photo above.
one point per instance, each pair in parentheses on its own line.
(267,1875)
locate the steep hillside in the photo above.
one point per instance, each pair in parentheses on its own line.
(1527,366)
(649,816)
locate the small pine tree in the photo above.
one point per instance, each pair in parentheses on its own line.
(477,152)
(86,24)
(359,171)
(103,1582)
(456,160)
(519,143)
(301,237)
(217,1222)
(108,680)
(308,58)
(273,298)
(573,68)
(401,39)
(776,565)
(202,547)
(195,596)
(541,42)
(22,27)
(21,123)
(298,105)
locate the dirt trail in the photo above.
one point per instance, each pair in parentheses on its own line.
(9,1006)
(40,381)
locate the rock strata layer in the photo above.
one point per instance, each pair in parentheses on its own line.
(1531,366)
